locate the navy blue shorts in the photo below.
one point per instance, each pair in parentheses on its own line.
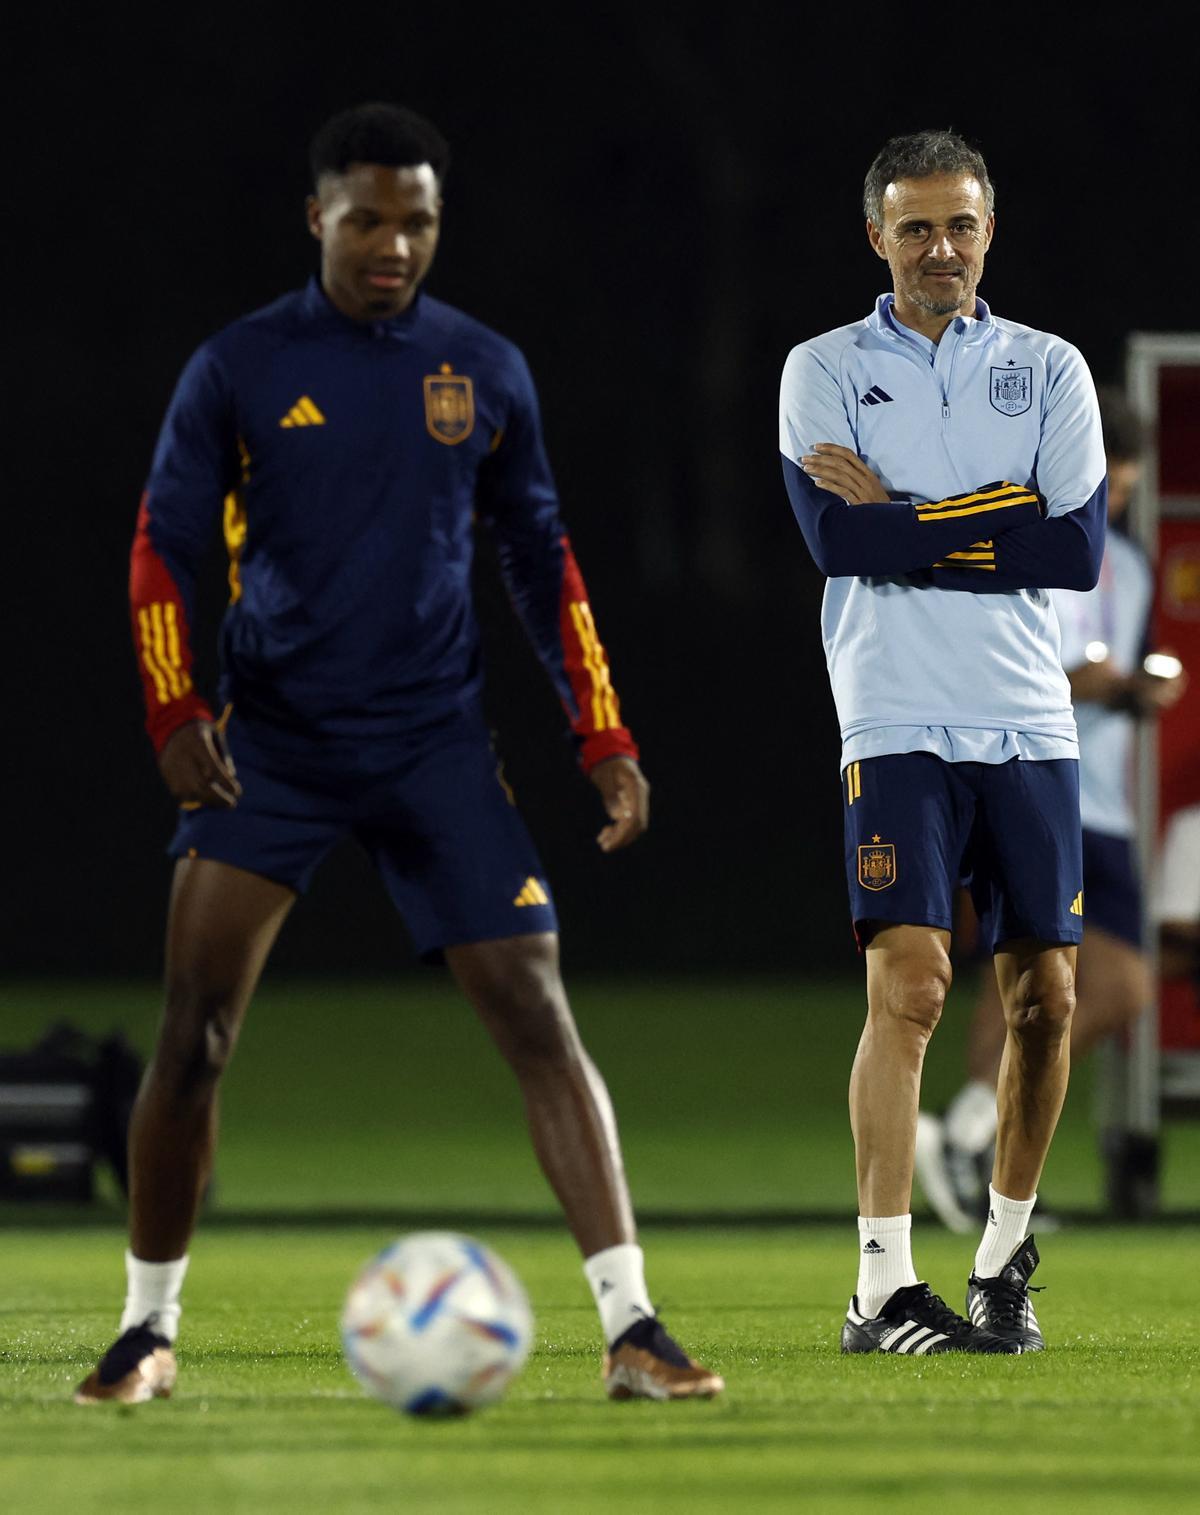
(435,817)
(916,826)
(1111,889)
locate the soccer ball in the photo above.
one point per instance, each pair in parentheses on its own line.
(436,1324)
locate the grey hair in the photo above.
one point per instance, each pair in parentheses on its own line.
(920,156)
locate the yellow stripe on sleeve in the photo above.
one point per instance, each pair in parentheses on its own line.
(606,713)
(158,633)
(152,668)
(174,649)
(956,506)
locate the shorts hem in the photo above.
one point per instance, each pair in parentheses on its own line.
(434,953)
(213,855)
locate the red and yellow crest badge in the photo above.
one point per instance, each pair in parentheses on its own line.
(877,865)
(449,406)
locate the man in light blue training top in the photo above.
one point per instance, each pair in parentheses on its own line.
(946,469)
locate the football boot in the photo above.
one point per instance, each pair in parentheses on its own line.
(914,1322)
(139,1366)
(1002,1306)
(646,1363)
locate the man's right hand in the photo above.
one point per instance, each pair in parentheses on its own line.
(197,768)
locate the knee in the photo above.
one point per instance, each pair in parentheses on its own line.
(1041,1012)
(197,1038)
(527,1013)
(535,1032)
(914,999)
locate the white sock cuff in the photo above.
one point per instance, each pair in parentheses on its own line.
(154,1289)
(889,1225)
(1003,1232)
(625,1255)
(1005,1206)
(618,1284)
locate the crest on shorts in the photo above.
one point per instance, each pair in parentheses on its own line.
(877,865)
(1011,391)
(449,406)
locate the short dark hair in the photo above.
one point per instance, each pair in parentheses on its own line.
(1124,430)
(378,133)
(920,156)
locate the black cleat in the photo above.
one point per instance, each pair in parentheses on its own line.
(915,1321)
(137,1367)
(1002,1305)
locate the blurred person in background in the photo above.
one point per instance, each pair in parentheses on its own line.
(1177,897)
(1104,651)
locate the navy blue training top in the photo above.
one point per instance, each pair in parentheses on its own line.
(350,460)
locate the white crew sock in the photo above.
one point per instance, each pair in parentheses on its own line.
(970,1120)
(1003,1232)
(153,1290)
(619,1288)
(884,1260)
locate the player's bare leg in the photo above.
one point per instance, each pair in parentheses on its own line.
(517,991)
(221,925)
(515,987)
(908,976)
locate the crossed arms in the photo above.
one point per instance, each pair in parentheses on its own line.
(994,538)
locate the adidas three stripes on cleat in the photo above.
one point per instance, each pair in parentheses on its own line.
(915,1322)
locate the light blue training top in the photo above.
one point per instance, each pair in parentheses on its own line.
(915,666)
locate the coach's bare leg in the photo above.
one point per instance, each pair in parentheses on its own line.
(515,986)
(1112,988)
(221,926)
(1037,985)
(908,975)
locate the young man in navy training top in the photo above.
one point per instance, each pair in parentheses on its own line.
(945,467)
(354,431)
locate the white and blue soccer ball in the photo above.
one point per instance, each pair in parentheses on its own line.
(436,1324)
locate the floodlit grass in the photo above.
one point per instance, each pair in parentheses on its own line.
(351,1111)
(266,1416)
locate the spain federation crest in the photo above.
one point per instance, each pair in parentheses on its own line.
(449,406)
(877,865)
(1011,391)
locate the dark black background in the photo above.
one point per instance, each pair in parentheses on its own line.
(656,203)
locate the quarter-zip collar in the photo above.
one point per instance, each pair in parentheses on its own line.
(320,310)
(971,330)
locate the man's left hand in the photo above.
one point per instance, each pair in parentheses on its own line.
(626,796)
(843,473)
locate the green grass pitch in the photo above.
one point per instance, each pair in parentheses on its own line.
(353,1112)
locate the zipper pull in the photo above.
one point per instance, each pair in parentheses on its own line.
(945,410)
